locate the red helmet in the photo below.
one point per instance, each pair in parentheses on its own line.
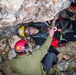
(71,11)
(73,6)
(21,46)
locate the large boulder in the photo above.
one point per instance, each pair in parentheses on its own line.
(13,12)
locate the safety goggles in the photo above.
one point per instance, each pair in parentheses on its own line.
(26,31)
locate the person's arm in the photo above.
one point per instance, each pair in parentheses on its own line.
(39,41)
(40,24)
(43,35)
(41,52)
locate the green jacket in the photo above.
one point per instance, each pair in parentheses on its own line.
(30,64)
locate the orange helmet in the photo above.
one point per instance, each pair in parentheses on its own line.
(21,46)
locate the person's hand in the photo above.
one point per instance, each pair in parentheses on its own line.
(51,31)
(66,57)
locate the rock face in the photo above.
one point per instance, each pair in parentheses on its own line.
(8,11)
(13,12)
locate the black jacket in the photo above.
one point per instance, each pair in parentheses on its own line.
(42,27)
(41,37)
